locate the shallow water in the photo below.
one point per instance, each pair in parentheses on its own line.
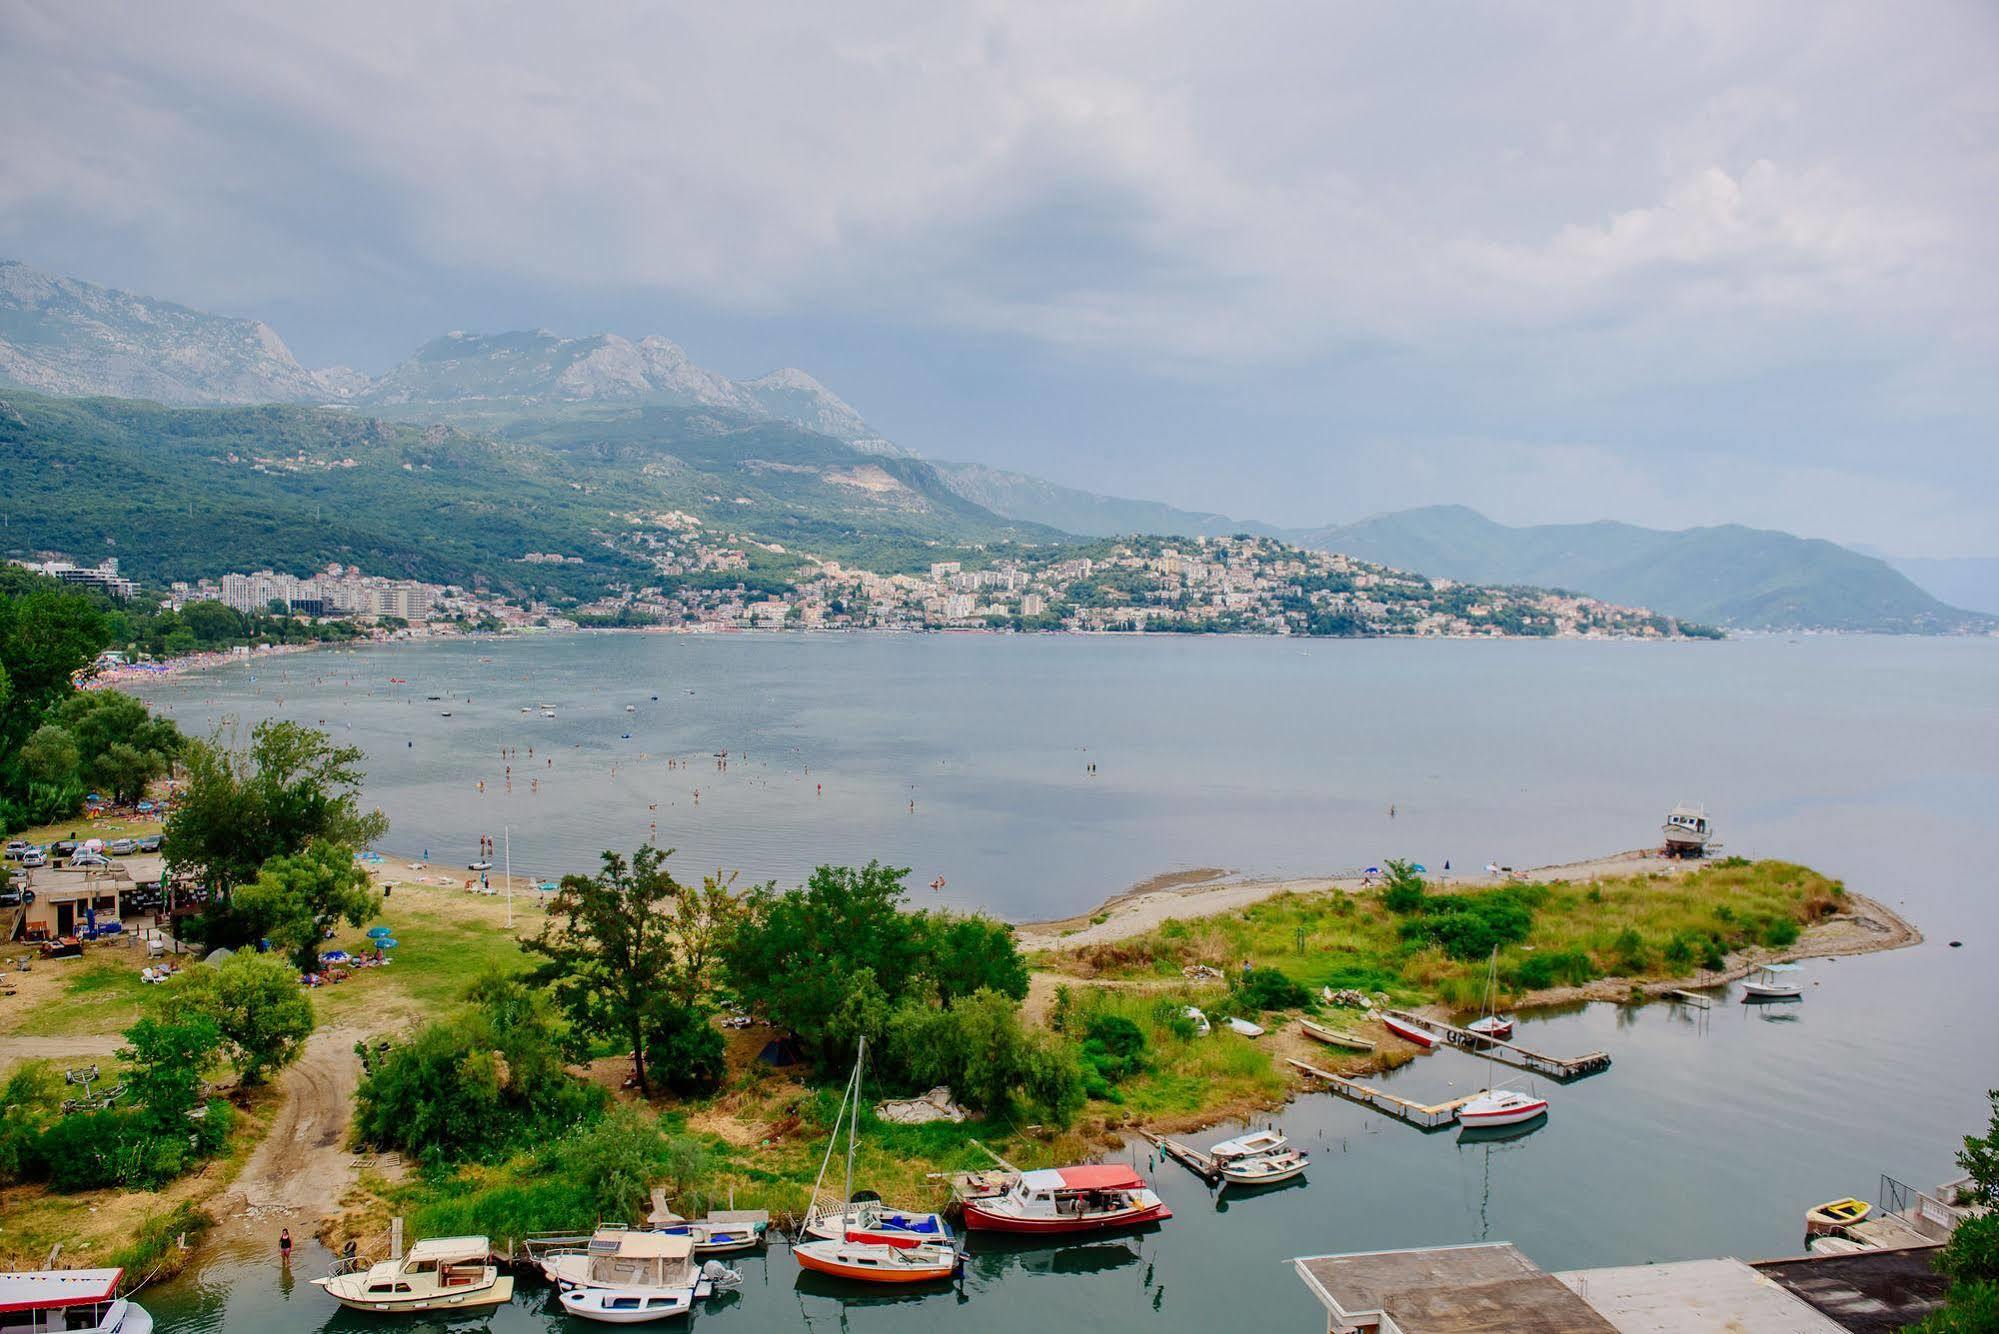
(1873,759)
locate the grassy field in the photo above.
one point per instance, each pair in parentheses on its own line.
(1636,926)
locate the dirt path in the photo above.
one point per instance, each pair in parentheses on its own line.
(14,1049)
(299,1173)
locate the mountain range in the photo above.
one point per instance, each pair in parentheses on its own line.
(640,411)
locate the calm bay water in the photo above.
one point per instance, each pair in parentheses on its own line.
(1873,759)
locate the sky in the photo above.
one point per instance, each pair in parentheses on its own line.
(1676,263)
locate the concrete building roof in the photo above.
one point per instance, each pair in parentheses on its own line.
(1448,1290)
(1869,1292)
(1695,1296)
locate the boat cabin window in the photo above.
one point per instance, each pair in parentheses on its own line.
(388,1287)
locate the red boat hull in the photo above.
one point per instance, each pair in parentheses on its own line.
(979,1219)
(1410,1033)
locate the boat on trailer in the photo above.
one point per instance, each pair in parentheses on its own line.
(1089,1198)
(440,1274)
(1408,1032)
(1774,981)
(69,1299)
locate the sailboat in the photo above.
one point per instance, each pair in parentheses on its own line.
(866,1221)
(1497,1106)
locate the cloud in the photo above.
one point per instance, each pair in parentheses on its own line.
(1568,206)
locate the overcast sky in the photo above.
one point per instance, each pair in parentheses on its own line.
(1676,263)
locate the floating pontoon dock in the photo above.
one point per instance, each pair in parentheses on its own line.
(1555,1067)
(1415,1113)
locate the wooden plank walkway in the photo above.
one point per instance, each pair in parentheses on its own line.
(1200,1164)
(1693,998)
(1402,1109)
(1555,1067)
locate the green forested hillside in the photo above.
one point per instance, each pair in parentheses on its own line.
(179,493)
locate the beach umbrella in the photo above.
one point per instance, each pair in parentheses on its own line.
(378,932)
(1373,870)
(385,943)
(1419,868)
(334,956)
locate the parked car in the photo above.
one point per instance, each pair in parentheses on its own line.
(62,847)
(14,896)
(151,843)
(89,858)
(34,857)
(122,847)
(15,849)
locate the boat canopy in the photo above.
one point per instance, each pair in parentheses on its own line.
(655,1246)
(50,1289)
(1091,1176)
(447,1250)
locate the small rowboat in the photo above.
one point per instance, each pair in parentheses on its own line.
(1773,981)
(1334,1037)
(1244,1027)
(1408,1032)
(1835,1214)
(878,1262)
(1253,1145)
(1497,1026)
(1266,1169)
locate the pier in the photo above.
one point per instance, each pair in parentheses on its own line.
(1200,1164)
(1423,1115)
(1554,1067)
(1693,998)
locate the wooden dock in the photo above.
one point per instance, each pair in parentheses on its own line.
(1200,1164)
(1419,1114)
(1554,1067)
(1693,998)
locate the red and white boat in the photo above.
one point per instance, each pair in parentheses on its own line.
(1501,1107)
(1408,1032)
(1498,1026)
(1090,1198)
(878,1262)
(70,1299)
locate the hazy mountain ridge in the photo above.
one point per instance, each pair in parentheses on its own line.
(1728,575)
(1037,500)
(61,336)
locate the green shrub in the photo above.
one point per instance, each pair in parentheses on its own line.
(1632,954)
(1269,989)
(1780,932)
(686,1052)
(1114,1047)
(1402,891)
(1571,968)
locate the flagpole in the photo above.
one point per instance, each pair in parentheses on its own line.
(507,834)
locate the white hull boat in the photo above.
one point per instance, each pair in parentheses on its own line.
(69,1299)
(1266,1169)
(1774,981)
(1253,1145)
(1501,1107)
(441,1274)
(1687,830)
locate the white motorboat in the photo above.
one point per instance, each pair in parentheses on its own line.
(1253,1145)
(1266,1169)
(722,1231)
(1774,981)
(1687,830)
(630,1278)
(69,1299)
(1244,1027)
(1198,1020)
(441,1274)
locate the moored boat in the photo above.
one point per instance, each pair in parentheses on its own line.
(1501,1107)
(1408,1032)
(70,1299)
(866,1221)
(440,1274)
(1773,981)
(632,1278)
(878,1262)
(1266,1169)
(1253,1145)
(1088,1198)
(1830,1217)
(1334,1037)
(1496,1026)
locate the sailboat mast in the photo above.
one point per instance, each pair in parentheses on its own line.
(854,1121)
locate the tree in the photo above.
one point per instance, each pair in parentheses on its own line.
(238,810)
(610,950)
(1971,1257)
(295,900)
(212,622)
(256,1004)
(1402,888)
(50,756)
(121,746)
(167,1061)
(47,636)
